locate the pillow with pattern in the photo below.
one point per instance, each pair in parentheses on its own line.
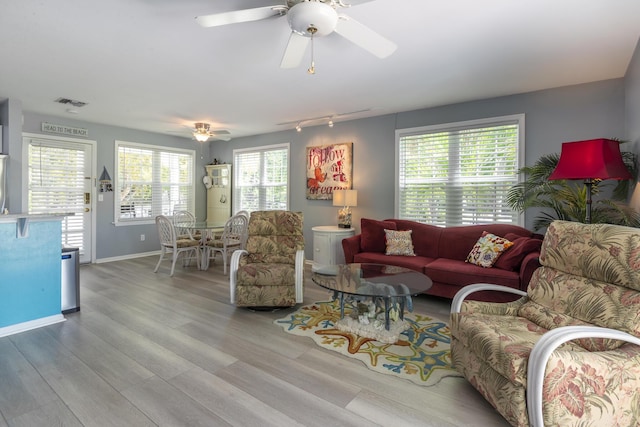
(399,242)
(488,249)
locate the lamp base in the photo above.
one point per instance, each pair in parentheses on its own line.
(344,217)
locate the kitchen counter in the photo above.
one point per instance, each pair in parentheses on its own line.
(30,272)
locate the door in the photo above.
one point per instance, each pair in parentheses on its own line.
(60,182)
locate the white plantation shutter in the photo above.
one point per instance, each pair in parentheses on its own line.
(151,181)
(459,174)
(56,186)
(261,178)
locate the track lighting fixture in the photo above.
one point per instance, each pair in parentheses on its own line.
(301,122)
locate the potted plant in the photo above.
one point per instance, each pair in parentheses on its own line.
(567,200)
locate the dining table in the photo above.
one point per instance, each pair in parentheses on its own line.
(209,230)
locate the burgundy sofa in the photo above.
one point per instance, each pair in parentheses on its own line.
(441,254)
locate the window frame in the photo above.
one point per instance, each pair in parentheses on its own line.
(518,119)
(237,169)
(157,149)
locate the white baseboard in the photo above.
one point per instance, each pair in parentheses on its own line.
(129,256)
(31,324)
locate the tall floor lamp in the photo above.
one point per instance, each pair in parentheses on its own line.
(589,160)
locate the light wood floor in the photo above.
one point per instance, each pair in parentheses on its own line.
(149,349)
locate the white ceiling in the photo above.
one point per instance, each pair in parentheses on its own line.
(146,64)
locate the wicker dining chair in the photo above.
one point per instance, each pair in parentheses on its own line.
(171,244)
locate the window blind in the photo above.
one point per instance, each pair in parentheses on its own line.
(460,174)
(152,181)
(261,178)
(56,186)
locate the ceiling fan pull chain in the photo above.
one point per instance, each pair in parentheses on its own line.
(312,69)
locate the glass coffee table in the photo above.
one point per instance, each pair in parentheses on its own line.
(385,289)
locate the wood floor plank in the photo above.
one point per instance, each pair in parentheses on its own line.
(92,400)
(112,365)
(54,414)
(205,356)
(168,406)
(149,354)
(288,399)
(235,406)
(150,349)
(22,388)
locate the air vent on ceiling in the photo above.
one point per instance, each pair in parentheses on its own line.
(71,101)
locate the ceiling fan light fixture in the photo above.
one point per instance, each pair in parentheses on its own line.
(312,14)
(201,134)
(200,137)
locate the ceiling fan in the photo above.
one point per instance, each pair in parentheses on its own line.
(202,132)
(308,19)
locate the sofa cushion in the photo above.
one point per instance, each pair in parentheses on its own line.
(598,287)
(457,242)
(487,250)
(372,234)
(460,273)
(504,342)
(425,237)
(416,263)
(398,243)
(512,257)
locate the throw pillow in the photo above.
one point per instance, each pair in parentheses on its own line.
(372,234)
(399,243)
(487,250)
(512,257)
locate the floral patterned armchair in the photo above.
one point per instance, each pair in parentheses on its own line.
(567,353)
(269,273)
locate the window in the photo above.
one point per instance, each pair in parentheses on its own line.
(261,178)
(151,181)
(459,173)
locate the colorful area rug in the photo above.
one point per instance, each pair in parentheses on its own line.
(421,354)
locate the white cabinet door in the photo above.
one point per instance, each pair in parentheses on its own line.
(219,195)
(327,244)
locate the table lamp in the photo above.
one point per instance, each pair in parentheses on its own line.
(346,199)
(589,160)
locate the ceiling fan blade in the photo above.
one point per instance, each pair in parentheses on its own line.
(236,16)
(364,37)
(220,132)
(295,50)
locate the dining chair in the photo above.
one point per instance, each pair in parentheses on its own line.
(184,222)
(234,236)
(170,243)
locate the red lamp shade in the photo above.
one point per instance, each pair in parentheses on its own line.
(592,159)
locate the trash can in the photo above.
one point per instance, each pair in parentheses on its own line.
(70,280)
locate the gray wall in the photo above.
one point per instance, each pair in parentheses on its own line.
(632,111)
(112,241)
(632,100)
(552,116)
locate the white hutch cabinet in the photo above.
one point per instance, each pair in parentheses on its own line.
(327,243)
(219,195)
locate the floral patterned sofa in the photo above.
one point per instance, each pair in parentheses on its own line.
(568,352)
(269,273)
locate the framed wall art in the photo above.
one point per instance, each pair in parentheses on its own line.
(329,168)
